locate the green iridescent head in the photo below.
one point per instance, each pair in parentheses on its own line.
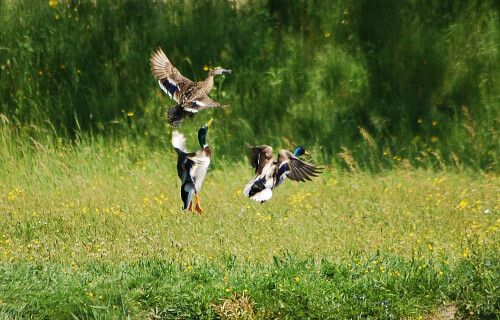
(300,151)
(202,133)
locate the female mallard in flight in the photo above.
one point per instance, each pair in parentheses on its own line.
(192,166)
(190,96)
(271,171)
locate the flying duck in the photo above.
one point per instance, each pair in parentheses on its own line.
(192,166)
(271,171)
(190,96)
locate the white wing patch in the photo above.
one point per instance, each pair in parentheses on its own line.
(164,89)
(200,103)
(191,110)
(171,90)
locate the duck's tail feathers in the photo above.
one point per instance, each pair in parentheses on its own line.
(187,192)
(175,115)
(262,196)
(257,190)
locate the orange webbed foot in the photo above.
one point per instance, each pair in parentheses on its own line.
(198,207)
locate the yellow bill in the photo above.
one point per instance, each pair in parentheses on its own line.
(209,122)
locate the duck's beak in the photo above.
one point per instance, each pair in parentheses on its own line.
(209,122)
(226,72)
(307,152)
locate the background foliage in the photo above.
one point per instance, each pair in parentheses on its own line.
(383,84)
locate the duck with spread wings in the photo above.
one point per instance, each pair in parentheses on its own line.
(191,96)
(271,171)
(192,167)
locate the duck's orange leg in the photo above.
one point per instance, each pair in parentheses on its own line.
(198,208)
(191,206)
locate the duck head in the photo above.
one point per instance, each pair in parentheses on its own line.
(300,151)
(218,71)
(202,133)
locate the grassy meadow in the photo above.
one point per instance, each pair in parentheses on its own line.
(398,101)
(96,231)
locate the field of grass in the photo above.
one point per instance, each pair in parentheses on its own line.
(398,100)
(96,231)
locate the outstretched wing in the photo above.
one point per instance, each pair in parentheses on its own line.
(255,156)
(260,155)
(169,78)
(294,168)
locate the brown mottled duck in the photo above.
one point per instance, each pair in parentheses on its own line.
(191,96)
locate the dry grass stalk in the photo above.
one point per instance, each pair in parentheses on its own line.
(349,160)
(470,123)
(368,139)
(240,307)
(457,163)
(439,159)
(406,165)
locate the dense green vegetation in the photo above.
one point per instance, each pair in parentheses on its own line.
(382,82)
(288,288)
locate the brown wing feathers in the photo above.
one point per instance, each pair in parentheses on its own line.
(298,170)
(162,68)
(160,65)
(254,152)
(301,171)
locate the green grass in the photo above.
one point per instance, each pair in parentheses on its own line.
(287,288)
(420,79)
(95,230)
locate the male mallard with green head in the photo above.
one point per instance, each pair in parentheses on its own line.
(270,171)
(190,96)
(192,166)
